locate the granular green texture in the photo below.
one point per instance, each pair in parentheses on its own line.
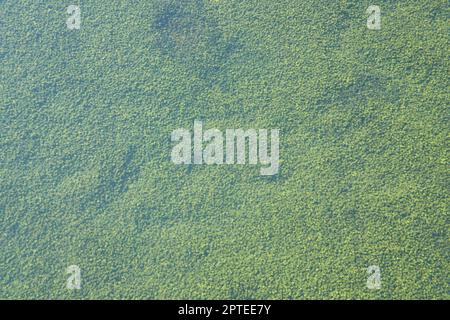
(86,176)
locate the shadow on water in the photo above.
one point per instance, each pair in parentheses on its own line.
(188,35)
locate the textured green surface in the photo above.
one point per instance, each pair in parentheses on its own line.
(85,171)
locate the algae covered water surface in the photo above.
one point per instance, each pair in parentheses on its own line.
(118,177)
